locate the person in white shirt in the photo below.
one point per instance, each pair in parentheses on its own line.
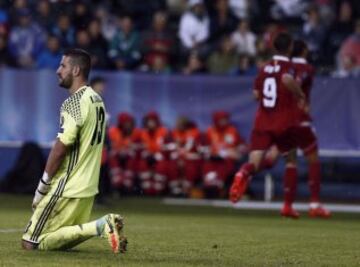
(194,25)
(244,40)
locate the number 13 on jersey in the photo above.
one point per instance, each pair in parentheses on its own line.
(99,127)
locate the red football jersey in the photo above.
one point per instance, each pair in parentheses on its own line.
(277,105)
(305,75)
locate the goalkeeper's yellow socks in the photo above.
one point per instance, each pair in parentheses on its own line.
(70,236)
(109,227)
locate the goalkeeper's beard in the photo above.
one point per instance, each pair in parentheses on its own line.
(67,81)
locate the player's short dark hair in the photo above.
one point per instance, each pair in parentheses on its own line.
(81,58)
(282,42)
(299,47)
(96,80)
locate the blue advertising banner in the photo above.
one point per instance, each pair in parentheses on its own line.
(30,103)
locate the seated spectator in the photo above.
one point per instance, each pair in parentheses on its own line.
(160,66)
(195,65)
(156,167)
(64,31)
(14,8)
(44,15)
(194,27)
(98,83)
(222,21)
(107,21)
(176,7)
(326,10)
(347,68)
(124,50)
(6,60)
(226,147)
(271,31)
(123,158)
(224,59)
(188,155)
(61,7)
(341,28)
(261,60)
(50,56)
(81,16)
(82,40)
(244,40)
(350,49)
(141,10)
(26,40)
(3,22)
(262,49)
(314,33)
(245,66)
(158,43)
(242,8)
(258,13)
(98,45)
(288,9)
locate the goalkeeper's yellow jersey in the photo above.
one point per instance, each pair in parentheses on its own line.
(82,130)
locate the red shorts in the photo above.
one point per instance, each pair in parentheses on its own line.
(263,140)
(302,137)
(306,139)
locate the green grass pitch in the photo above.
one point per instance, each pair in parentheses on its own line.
(161,235)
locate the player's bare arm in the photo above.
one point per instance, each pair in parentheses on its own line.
(56,156)
(256,95)
(293,86)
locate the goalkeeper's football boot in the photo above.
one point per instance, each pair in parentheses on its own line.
(289,212)
(238,186)
(113,231)
(319,212)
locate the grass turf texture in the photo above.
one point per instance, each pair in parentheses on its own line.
(161,235)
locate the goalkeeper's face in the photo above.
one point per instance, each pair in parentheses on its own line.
(65,73)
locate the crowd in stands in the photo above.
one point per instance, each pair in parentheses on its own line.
(154,160)
(228,37)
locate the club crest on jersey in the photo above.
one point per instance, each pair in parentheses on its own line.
(62,121)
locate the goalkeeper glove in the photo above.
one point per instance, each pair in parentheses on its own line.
(42,189)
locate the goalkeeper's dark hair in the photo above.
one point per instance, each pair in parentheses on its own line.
(81,58)
(282,43)
(299,47)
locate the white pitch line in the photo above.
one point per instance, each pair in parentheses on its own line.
(11,230)
(256,205)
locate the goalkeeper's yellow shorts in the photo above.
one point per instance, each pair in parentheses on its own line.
(54,212)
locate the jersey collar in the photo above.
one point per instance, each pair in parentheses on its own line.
(280,58)
(81,89)
(299,60)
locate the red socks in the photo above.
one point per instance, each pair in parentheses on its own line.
(290,184)
(314,181)
(247,170)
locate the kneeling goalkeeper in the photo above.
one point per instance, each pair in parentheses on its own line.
(64,198)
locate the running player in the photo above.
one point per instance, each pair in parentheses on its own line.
(305,139)
(65,194)
(279,94)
